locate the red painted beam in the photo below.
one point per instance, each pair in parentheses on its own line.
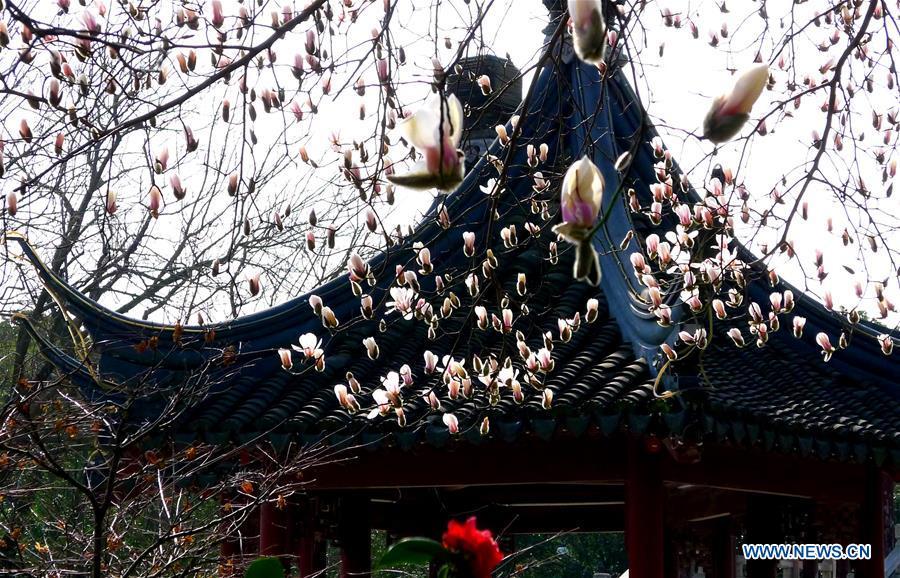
(530,461)
(644,514)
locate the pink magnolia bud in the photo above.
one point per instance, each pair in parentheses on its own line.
(177,189)
(12,203)
(547,398)
(451,422)
(285,356)
(430,361)
(217,18)
(110,203)
(886,343)
(798,324)
(357,268)
(58,144)
(162,160)
(500,129)
(155,201)
(469,243)
(581,195)
(25,131)
(719,308)
(484,82)
(735,334)
(825,343)
(588,29)
(90,22)
(729,112)
(191,142)
(372,349)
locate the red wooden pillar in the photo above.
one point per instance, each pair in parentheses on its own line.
(355,537)
(228,548)
(876,513)
(311,545)
(248,535)
(228,556)
(274,532)
(723,548)
(644,520)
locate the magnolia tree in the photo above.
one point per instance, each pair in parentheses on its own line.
(193,161)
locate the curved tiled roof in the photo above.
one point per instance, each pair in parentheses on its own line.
(781,396)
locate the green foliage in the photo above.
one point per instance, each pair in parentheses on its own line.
(265,568)
(570,555)
(412,551)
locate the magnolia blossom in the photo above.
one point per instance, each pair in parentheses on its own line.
(254,283)
(887,344)
(345,398)
(12,203)
(357,268)
(155,201)
(798,324)
(581,196)
(430,361)
(547,398)
(825,343)
(371,347)
(329,319)
(451,422)
(593,309)
(719,308)
(729,112)
(110,203)
(670,353)
(468,243)
(218,17)
(435,130)
(588,29)
(403,302)
(316,303)
(481,315)
(735,334)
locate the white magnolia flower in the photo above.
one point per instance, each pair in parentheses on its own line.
(435,130)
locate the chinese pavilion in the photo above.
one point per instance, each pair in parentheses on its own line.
(757,445)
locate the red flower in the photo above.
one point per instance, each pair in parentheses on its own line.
(477,547)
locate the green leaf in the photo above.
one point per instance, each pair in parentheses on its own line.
(265,568)
(412,551)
